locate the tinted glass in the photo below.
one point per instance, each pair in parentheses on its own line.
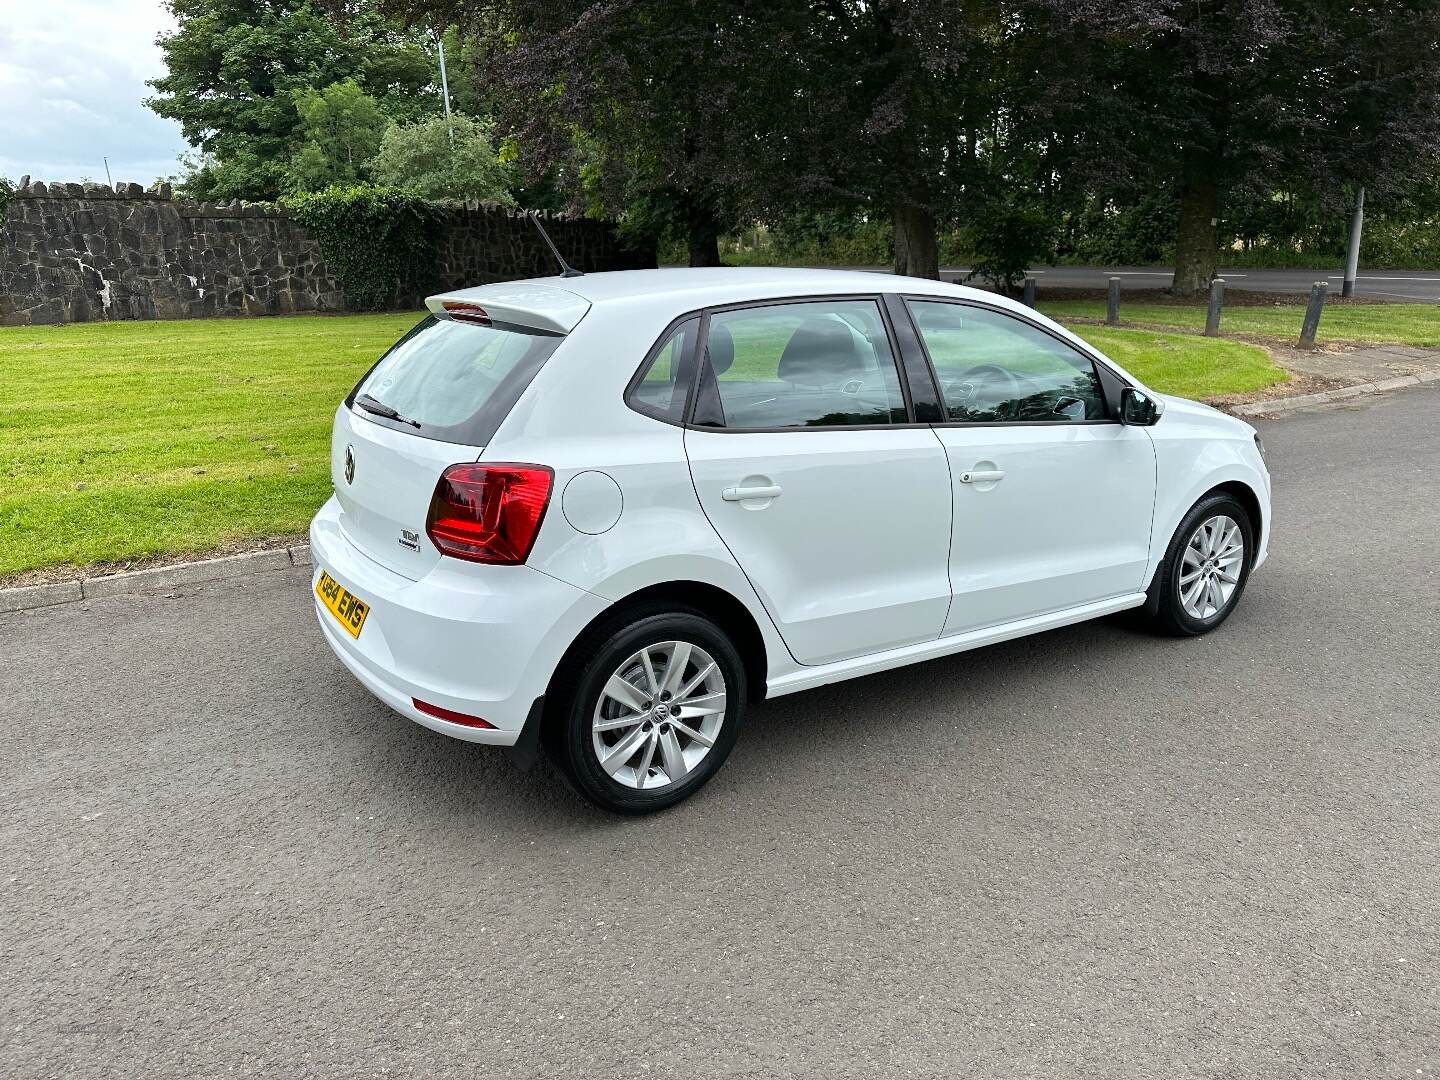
(664,381)
(820,363)
(458,380)
(994,367)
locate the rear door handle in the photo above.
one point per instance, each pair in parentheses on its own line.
(740,494)
(982,476)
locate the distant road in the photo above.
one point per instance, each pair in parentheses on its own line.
(1411,285)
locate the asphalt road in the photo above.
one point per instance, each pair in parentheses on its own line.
(1091,853)
(1397,285)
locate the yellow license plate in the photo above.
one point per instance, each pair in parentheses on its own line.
(348,608)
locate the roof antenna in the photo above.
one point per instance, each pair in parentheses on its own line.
(568,270)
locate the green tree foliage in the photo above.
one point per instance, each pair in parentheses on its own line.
(234,68)
(379,242)
(341,128)
(422,157)
(1215,100)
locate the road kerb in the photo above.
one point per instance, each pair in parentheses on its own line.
(1301,401)
(24,597)
(33,596)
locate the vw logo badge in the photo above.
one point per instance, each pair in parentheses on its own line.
(349,465)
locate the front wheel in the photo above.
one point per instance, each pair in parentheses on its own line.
(1205,568)
(651,712)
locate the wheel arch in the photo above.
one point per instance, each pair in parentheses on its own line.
(1246,496)
(724,608)
(1241,492)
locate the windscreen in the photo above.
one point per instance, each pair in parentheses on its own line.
(453,381)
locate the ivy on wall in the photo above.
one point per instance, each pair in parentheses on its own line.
(6,191)
(379,242)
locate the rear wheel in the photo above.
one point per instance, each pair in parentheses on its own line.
(651,711)
(1205,568)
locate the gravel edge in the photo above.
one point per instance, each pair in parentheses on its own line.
(1301,401)
(25,597)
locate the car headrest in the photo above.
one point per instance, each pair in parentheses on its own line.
(720,348)
(820,351)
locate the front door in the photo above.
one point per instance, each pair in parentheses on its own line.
(834,505)
(1052,498)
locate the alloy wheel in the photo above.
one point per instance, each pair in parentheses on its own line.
(659,715)
(1211,566)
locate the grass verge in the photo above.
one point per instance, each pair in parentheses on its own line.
(127,441)
(1400,324)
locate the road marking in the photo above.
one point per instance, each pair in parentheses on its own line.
(1402,295)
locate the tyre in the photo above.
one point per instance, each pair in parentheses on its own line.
(1205,568)
(649,710)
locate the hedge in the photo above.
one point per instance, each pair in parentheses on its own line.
(379,242)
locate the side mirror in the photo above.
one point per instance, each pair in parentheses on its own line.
(1139,409)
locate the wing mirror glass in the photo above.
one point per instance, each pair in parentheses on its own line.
(1139,409)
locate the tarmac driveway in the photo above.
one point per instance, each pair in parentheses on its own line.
(1091,853)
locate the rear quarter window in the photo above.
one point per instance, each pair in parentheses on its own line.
(457,381)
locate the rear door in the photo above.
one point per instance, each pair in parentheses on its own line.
(1053,497)
(834,504)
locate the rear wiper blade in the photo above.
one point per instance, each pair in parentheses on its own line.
(379,408)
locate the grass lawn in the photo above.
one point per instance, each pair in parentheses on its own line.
(135,439)
(124,440)
(1405,324)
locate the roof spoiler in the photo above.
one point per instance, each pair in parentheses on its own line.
(540,307)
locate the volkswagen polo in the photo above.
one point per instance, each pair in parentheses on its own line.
(603,514)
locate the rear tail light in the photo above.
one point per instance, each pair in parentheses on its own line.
(463,312)
(451,715)
(489,513)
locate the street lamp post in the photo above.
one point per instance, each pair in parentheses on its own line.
(445,90)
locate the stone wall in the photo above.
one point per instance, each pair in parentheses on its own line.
(81,253)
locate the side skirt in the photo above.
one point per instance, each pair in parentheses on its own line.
(809,678)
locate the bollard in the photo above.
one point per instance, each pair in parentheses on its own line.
(1112,307)
(1311,325)
(1212,314)
(1029,293)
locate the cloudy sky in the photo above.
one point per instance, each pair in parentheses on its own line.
(72,76)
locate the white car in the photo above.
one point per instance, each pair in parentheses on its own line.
(603,513)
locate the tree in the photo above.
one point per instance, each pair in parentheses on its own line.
(1217,99)
(341,128)
(624,107)
(698,115)
(420,157)
(235,66)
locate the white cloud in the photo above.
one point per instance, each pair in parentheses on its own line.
(72,79)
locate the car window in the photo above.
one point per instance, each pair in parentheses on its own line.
(820,363)
(664,379)
(457,380)
(994,367)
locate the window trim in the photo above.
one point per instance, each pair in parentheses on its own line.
(688,369)
(1095,359)
(896,358)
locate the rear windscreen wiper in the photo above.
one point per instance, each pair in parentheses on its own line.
(379,408)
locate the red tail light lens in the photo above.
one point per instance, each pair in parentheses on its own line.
(489,513)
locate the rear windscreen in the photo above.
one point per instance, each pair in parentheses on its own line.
(456,381)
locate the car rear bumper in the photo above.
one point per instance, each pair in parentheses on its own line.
(479,640)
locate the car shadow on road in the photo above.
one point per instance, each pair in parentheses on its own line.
(861,729)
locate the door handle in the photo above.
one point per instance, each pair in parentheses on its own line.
(982,476)
(740,494)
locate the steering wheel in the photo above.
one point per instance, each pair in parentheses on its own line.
(984,373)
